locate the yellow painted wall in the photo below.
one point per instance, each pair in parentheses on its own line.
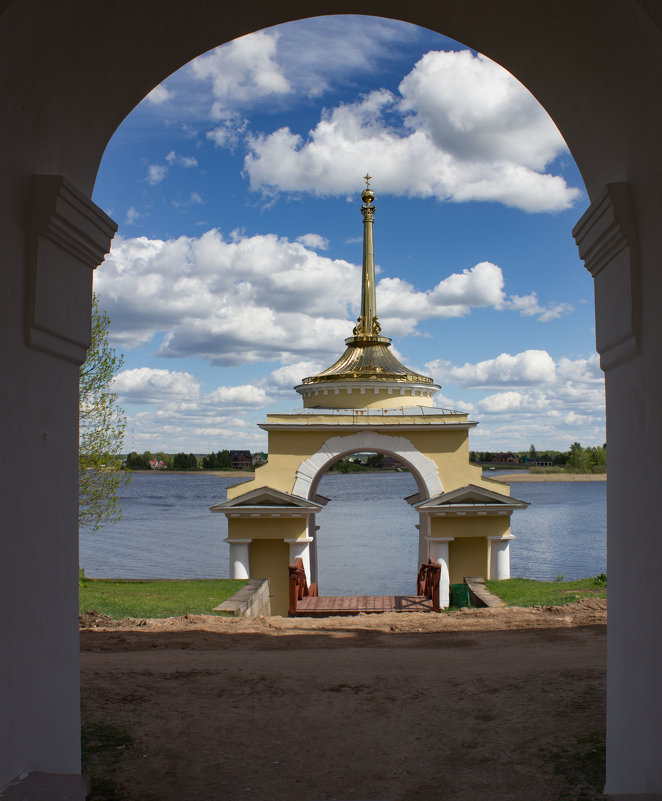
(269,559)
(363,400)
(467,556)
(448,449)
(470,526)
(266,528)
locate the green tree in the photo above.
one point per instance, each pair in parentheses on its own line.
(101,432)
(579,458)
(135,461)
(180,461)
(161,456)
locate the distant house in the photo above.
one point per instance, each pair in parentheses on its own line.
(259,459)
(156,464)
(241,460)
(505,458)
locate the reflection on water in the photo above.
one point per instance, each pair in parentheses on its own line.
(368,542)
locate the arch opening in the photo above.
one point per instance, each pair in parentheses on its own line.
(366,538)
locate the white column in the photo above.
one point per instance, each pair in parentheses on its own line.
(312,531)
(300,548)
(438,549)
(423,532)
(500,557)
(239,558)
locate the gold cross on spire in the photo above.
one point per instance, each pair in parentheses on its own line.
(367,178)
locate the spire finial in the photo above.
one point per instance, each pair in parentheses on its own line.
(367,324)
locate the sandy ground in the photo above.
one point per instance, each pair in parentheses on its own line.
(510,478)
(479,705)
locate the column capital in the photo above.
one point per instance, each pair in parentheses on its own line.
(297,540)
(69,236)
(608,242)
(235,541)
(440,539)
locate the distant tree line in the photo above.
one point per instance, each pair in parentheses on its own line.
(579,459)
(363,464)
(217,461)
(220,460)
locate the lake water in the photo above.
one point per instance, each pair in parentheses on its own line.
(367,543)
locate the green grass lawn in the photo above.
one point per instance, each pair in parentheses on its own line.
(528,592)
(119,599)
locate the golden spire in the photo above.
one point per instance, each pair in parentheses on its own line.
(368,356)
(366,324)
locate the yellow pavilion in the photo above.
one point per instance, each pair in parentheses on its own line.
(367,401)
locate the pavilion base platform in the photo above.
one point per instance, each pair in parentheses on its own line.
(337,605)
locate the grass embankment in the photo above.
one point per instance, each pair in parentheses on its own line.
(119,599)
(571,471)
(528,592)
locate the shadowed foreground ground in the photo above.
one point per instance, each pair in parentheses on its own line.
(480,706)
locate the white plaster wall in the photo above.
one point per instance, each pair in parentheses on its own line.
(39,683)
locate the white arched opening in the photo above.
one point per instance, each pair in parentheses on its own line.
(422,468)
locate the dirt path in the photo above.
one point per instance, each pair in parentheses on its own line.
(472,706)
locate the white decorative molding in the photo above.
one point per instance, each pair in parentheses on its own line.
(422,468)
(68,238)
(607,240)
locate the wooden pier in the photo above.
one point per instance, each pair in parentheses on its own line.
(329,605)
(305,601)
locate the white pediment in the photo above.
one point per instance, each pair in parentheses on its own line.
(471,496)
(266,498)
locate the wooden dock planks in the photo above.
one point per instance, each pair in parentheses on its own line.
(329,605)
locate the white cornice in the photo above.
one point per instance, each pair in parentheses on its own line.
(608,242)
(68,237)
(367,424)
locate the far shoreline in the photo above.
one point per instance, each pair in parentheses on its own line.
(514,478)
(501,477)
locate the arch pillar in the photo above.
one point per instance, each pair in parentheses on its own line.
(438,550)
(300,548)
(240,561)
(499,558)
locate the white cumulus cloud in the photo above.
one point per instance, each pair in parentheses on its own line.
(242,71)
(461,129)
(152,385)
(537,399)
(314,241)
(238,396)
(525,368)
(156,173)
(253,298)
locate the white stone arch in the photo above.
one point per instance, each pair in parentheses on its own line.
(423,469)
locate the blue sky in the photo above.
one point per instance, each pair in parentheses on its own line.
(236,269)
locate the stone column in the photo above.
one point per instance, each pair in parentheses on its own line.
(438,550)
(312,531)
(500,557)
(423,531)
(300,548)
(239,558)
